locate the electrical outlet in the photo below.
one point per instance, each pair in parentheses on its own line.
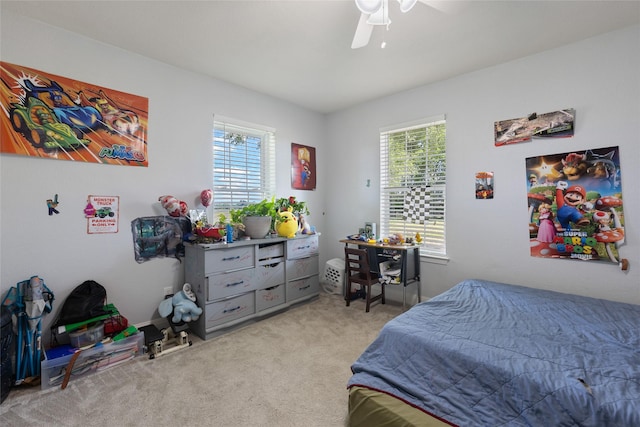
(168,290)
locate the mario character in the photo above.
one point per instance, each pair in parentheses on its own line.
(569,203)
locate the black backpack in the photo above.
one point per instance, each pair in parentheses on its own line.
(85,302)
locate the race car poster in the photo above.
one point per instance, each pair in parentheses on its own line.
(557,124)
(575,205)
(49,116)
(102,214)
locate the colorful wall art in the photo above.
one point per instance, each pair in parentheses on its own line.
(557,124)
(303,167)
(575,205)
(49,116)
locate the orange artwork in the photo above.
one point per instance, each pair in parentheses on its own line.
(50,116)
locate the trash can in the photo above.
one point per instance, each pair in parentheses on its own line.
(333,277)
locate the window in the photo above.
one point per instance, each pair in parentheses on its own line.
(412,187)
(243,164)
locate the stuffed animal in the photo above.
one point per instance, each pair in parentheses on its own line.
(287,225)
(183,305)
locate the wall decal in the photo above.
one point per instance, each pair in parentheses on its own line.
(50,116)
(557,124)
(575,205)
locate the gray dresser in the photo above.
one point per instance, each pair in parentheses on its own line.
(243,281)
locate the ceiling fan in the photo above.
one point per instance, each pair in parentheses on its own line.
(376,12)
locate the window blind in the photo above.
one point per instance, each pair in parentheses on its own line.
(413,182)
(243,163)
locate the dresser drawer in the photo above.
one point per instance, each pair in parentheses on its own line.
(270,297)
(219,260)
(302,288)
(218,313)
(269,275)
(302,247)
(270,252)
(232,283)
(304,267)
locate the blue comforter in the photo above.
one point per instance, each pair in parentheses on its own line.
(492,354)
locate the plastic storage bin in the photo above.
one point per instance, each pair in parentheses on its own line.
(333,277)
(90,361)
(93,334)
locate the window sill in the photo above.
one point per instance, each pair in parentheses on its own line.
(434,259)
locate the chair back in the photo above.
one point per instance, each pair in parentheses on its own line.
(358,265)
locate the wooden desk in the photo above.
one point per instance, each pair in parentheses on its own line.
(409,273)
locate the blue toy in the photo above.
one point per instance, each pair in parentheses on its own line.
(182,305)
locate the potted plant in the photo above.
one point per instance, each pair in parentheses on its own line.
(258,218)
(283,204)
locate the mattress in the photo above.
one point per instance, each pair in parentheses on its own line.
(486,353)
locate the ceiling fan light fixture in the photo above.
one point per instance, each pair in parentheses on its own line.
(369,6)
(380,17)
(406,5)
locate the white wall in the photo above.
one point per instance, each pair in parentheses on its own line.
(181,107)
(489,239)
(599,77)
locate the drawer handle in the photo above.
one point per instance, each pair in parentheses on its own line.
(305,287)
(232,309)
(231,258)
(228,285)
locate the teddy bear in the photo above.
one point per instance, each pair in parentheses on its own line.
(183,305)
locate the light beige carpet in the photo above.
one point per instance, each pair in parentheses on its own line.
(288,370)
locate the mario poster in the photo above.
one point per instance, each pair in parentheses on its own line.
(575,205)
(56,117)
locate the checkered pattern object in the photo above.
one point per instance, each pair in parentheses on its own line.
(416,205)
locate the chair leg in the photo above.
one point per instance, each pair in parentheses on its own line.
(368,297)
(382,287)
(347,295)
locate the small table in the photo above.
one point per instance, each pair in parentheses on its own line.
(376,249)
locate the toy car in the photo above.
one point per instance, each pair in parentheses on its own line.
(104,212)
(115,118)
(41,128)
(82,118)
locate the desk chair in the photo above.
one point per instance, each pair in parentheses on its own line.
(359,271)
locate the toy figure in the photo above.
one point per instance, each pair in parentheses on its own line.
(287,225)
(568,205)
(183,305)
(52,205)
(546,229)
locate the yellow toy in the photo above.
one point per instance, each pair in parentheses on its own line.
(287,225)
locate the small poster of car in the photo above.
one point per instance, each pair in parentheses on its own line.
(102,214)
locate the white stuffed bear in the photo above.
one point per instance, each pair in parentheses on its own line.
(183,305)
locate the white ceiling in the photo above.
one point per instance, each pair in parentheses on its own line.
(300,50)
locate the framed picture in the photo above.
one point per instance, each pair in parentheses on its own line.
(303,167)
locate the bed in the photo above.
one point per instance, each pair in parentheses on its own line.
(486,353)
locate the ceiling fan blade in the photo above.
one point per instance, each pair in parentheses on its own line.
(444,6)
(363,32)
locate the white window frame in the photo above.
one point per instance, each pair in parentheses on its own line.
(240,175)
(396,186)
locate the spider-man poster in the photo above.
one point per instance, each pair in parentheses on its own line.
(50,116)
(575,205)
